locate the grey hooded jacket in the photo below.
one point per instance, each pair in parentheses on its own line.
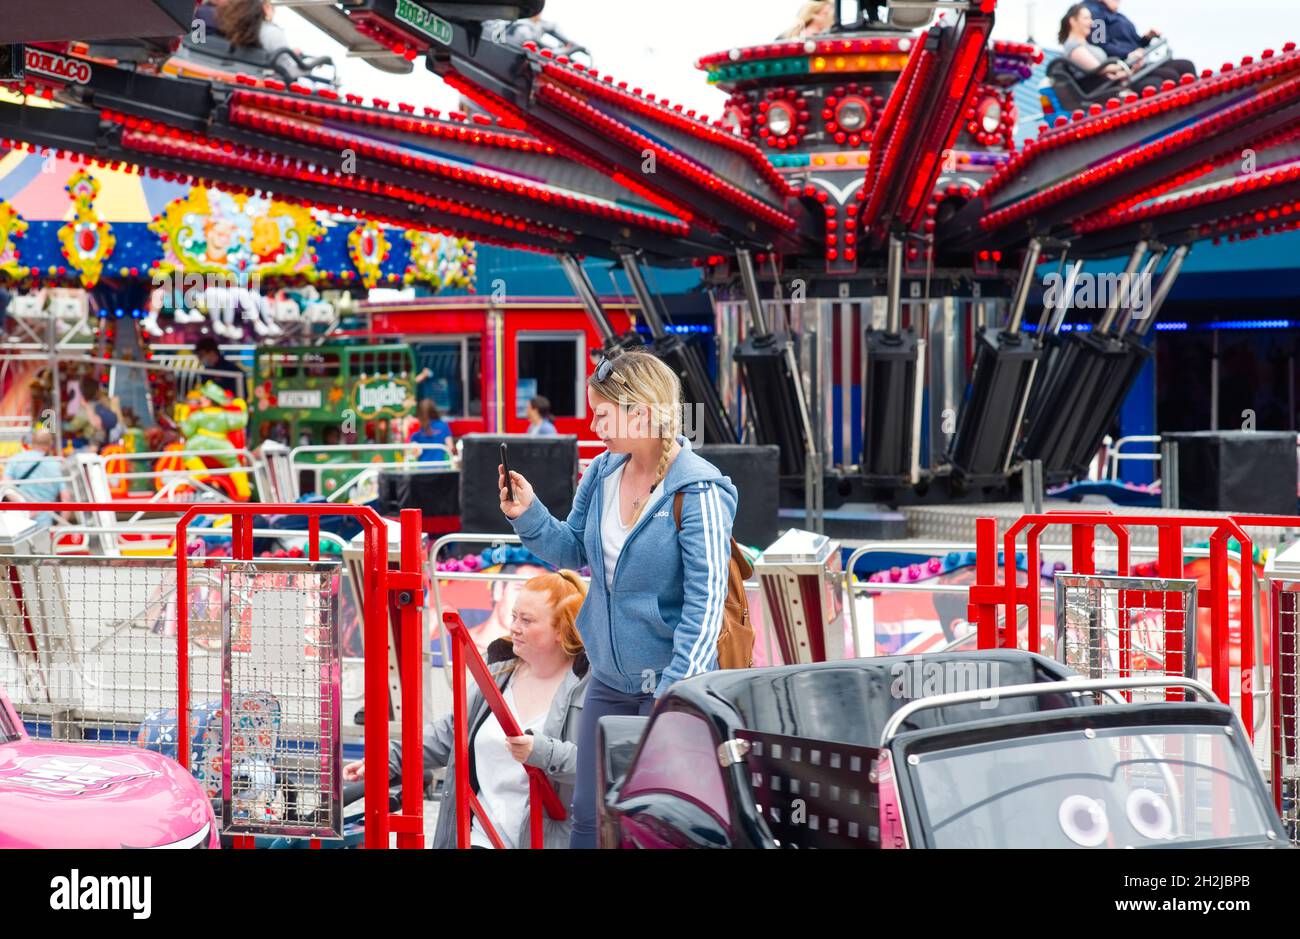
(555,749)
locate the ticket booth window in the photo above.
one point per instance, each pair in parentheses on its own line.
(551,365)
(455,375)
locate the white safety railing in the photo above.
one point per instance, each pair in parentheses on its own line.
(1116,453)
(14,427)
(364,472)
(585,461)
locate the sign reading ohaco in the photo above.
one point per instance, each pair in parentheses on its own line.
(42,62)
(380,397)
(417,17)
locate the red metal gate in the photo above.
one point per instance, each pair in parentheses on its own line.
(993,595)
(405,585)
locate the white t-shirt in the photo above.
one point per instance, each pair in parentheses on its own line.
(613,533)
(503,783)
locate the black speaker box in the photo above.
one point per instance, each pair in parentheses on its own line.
(432,491)
(549,463)
(755,471)
(1237,471)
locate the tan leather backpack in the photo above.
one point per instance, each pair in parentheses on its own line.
(736,641)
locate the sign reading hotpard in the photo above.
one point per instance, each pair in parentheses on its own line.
(417,17)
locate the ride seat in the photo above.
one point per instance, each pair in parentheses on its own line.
(216,54)
(851,702)
(1075,86)
(910,17)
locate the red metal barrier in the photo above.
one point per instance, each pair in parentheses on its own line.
(406,582)
(987,594)
(541,794)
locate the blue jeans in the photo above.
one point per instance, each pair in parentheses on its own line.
(601,700)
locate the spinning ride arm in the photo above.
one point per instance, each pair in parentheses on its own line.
(921,122)
(1202,158)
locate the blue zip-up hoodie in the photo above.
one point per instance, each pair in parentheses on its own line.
(660,623)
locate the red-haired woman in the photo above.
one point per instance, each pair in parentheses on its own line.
(541,670)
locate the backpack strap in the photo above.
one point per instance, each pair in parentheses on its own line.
(677,508)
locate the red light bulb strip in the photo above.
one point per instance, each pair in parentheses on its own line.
(1205,196)
(1023,49)
(449,130)
(400,42)
(943,123)
(1115,214)
(896,125)
(285,126)
(189,146)
(1116,165)
(1134,109)
(648,108)
(667,159)
(500,105)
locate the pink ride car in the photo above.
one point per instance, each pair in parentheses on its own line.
(56,794)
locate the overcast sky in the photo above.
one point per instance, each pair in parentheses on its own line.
(655,44)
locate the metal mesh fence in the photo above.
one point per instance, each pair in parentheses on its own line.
(1286,744)
(1122,627)
(88,647)
(282,751)
(88,652)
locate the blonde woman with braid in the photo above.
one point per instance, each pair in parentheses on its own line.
(654,608)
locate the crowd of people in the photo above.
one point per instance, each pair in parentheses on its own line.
(94,421)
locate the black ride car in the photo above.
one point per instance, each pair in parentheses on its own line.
(872,753)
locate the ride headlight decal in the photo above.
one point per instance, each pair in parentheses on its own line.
(1083,820)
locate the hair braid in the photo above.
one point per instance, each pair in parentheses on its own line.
(660,473)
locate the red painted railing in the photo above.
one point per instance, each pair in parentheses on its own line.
(989,593)
(541,794)
(406,583)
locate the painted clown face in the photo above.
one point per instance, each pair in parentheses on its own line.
(219,235)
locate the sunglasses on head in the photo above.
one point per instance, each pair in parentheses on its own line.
(605,371)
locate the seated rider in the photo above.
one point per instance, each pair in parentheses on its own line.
(814,18)
(1076,30)
(248,24)
(1115,33)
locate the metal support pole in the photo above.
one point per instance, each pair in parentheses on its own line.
(749,281)
(56,390)
(1135,295)
(1055,316)
(1167,281)
(813,501)
(649,303)
(1169,474)
(586,294)
(1214,380)
(894,312)
(1134,261)
(1027,269)
(1031,486)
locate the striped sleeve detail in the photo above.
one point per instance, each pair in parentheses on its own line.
(704,650)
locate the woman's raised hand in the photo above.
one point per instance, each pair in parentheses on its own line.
(523,493)
(354,771)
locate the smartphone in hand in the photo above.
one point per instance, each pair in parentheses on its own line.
(505,469)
